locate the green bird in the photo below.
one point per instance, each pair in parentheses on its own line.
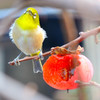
(27,34)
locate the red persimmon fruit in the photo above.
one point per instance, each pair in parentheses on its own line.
(61,72)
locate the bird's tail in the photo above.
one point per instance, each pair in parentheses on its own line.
(37,65)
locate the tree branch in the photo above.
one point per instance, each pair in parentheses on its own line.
(91,83)
(83,35)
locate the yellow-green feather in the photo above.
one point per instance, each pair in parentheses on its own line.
(37,53)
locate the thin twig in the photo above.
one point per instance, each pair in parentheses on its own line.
(83,35)
(91,83)
(95,84)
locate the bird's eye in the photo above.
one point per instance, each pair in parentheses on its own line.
(24,12)
(34,15)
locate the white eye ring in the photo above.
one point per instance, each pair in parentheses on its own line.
(24,12)
(34,16)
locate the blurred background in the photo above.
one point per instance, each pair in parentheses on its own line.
(62,20)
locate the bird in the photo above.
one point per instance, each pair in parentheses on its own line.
(28,36)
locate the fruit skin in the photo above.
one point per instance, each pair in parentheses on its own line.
(59,72)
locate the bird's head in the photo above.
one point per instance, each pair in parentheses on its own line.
(29,20)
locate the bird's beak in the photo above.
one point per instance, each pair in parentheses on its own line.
(30,12)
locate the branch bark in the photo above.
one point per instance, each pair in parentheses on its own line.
(83,35)
(91,83)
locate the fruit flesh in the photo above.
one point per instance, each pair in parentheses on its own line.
(60,72)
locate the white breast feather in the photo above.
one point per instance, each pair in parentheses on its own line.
(24,39)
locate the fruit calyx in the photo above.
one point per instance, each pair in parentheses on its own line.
(62,51)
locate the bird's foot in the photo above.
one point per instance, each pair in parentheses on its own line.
(16,61)
(41,56)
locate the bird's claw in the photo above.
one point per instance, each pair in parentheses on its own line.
(16,61)
(41,56)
